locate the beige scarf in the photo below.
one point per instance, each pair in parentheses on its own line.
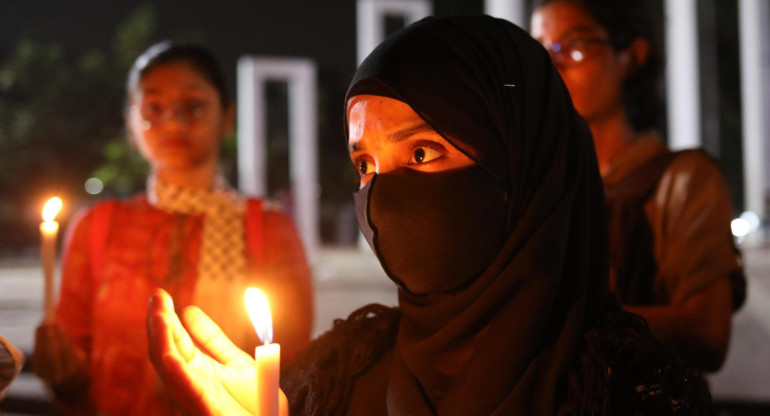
(222,263)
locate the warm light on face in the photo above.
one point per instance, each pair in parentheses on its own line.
(385,134)
(259,311)
(51,208)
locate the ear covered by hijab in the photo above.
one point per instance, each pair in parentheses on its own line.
(499,338)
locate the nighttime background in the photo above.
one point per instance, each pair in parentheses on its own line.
(62,73)
(63,68)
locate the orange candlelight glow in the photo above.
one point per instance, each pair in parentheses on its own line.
(259,312)
(51,208)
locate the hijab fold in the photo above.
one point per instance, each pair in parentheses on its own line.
(503,343)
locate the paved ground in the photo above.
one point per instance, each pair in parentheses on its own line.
(347,279)
(746,373)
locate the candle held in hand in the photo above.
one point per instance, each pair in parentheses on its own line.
(268,356)
(48,232)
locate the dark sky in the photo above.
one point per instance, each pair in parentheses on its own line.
(321,29)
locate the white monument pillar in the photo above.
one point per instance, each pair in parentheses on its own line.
(510,10)
(300,74)
(682,78)
(754,19)
(370,19)
(370,29)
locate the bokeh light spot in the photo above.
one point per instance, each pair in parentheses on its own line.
(94,186)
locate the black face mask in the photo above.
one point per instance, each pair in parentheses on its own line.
(433,232)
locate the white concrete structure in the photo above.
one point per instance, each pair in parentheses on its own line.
(754,19)
(300,74)
(510,10)
(370,19)
(682,75)
(370,31)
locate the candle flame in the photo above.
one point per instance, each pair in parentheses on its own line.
(259,311)
(51,208)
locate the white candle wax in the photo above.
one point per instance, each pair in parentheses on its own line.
(268,358)
(49,229)
(48,232)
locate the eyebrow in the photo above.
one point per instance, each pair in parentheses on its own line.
(399,135)
(186,88)
(579,30)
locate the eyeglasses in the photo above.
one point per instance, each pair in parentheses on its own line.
(573,51)
(155,113)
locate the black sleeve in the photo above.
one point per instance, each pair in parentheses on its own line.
(322,376)
(622,370)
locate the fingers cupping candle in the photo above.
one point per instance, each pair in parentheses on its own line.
(48,231)
(268,356)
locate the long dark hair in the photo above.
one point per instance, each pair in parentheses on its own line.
(200,60)
(624,21)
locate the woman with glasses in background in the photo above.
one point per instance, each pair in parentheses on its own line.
(671,251)
(189,233)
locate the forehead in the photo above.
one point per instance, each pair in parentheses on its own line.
(370,117)
(376,112)
(558,20)
(375,121)
(173,77)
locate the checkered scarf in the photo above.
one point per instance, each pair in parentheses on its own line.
(222,261)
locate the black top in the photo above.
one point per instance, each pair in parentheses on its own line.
(516,337)
(501,342)
(618,369)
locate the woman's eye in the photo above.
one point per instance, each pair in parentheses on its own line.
(424,154)
(193,108)
(152,108)
(364,167)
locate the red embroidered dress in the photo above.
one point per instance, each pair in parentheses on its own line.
(144,248)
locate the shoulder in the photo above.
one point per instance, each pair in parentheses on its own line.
(136,203)
(323,375)
(267,214)
(693,168)
(692,182)
(621,369)
(103,211)
(273,217)
(81,221)
(111,206)
(269,211)
(372,327)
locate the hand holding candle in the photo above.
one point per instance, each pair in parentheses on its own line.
(204,371)
(48,232)
(268,356)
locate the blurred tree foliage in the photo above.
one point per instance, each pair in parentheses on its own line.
(61,122)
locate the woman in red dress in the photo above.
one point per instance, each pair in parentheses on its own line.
(189,233)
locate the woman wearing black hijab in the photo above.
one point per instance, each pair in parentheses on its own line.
(482,199)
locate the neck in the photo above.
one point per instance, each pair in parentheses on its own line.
(611,136)
(199,177)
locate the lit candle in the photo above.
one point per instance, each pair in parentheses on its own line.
(268,355)
(48,231)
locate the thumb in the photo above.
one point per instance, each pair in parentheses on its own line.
(283,403)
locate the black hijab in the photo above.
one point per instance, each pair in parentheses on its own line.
(491,90)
